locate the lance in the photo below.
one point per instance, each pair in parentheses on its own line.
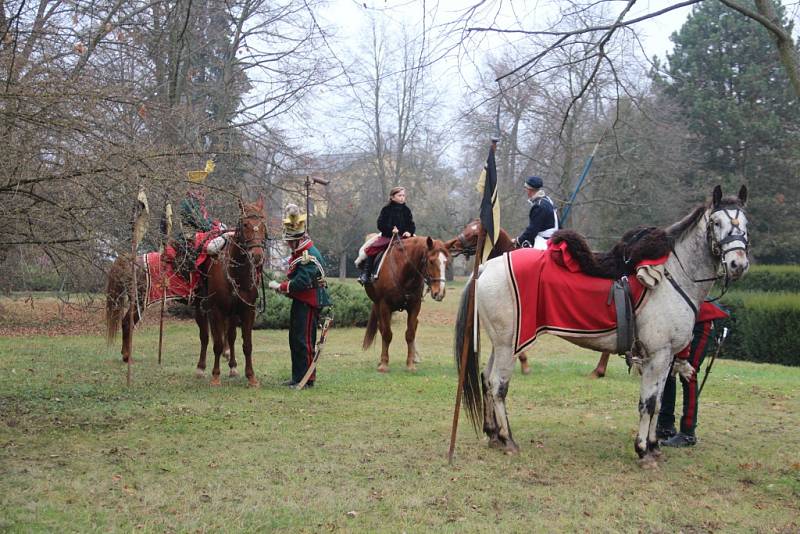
(586,167)
(141,214)
(471,324)
(326,325)
(720,341)
(166,229)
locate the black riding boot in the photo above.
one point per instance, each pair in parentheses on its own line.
(366,271)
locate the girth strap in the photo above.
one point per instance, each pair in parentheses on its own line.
(626,318)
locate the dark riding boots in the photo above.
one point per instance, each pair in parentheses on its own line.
(366,271)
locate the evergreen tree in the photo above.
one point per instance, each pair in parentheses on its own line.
(726,76)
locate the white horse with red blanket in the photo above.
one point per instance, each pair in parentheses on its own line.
(711,239)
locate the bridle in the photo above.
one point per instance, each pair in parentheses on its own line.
(422,268)
(717,245)
(250,243)
(718,250)
(466,249)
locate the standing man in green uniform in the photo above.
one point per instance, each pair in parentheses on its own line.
(305,285)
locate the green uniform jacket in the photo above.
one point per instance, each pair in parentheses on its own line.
(306,277)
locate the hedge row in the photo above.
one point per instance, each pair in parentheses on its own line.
(771,278)
(351,307)
(764,327)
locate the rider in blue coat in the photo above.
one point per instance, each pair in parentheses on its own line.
(542,218)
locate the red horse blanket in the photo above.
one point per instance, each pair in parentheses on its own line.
(552,295)
(162,275)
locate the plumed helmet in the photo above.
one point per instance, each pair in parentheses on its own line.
(294,223)
(533,182)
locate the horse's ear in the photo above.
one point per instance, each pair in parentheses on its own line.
(260,202)
(743,195)
(430,243)
(716,196)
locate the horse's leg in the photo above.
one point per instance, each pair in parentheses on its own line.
(127,328)
(600,369)
(497,387)
(385,327)
(201,319)
(654,376)
(219,328)
(490,426)
(248,318)
(523,363)
(411,334)
(230,348)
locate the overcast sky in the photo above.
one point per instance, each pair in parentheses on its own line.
(349,23)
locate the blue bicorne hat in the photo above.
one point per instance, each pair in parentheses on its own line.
(533,182)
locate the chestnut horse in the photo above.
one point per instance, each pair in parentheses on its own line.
(467,241)
(233,279)
(117,294)
(408,266)
(240,263)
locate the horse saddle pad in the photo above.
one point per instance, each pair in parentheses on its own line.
(161,276)
(551,295)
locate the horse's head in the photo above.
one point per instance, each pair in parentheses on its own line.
(436,258)
(727,232)
(466,242)
(251,233)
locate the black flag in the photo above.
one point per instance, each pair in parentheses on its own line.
(490,208)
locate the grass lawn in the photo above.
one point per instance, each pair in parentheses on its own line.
(363,451)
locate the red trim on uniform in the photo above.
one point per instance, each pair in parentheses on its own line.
(309,347)
(691,407)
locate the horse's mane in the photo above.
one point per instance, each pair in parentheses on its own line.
(677,229)
(640,243)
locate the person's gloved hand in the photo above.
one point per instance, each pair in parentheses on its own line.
(274,285)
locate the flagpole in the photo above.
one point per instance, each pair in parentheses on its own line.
(133,293)
(468,332)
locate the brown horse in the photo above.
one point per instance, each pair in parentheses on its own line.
(118,310)
(466,242)
(408,266)
(233,279)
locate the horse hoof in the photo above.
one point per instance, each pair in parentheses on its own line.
(253,383)
(495,443)
(417,358)
(199,373)
(383,368)
(595,374)
(233,372)
(526,370)
(648,462)
(511,449)
(411,368)
(215,382)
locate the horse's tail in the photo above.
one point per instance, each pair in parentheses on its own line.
(372,328)
(116,294)
(473,402)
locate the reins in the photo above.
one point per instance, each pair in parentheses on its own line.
(421,269)
(245,248)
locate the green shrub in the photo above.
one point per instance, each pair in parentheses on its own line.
(764,327)
(351,307)
(771,278)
